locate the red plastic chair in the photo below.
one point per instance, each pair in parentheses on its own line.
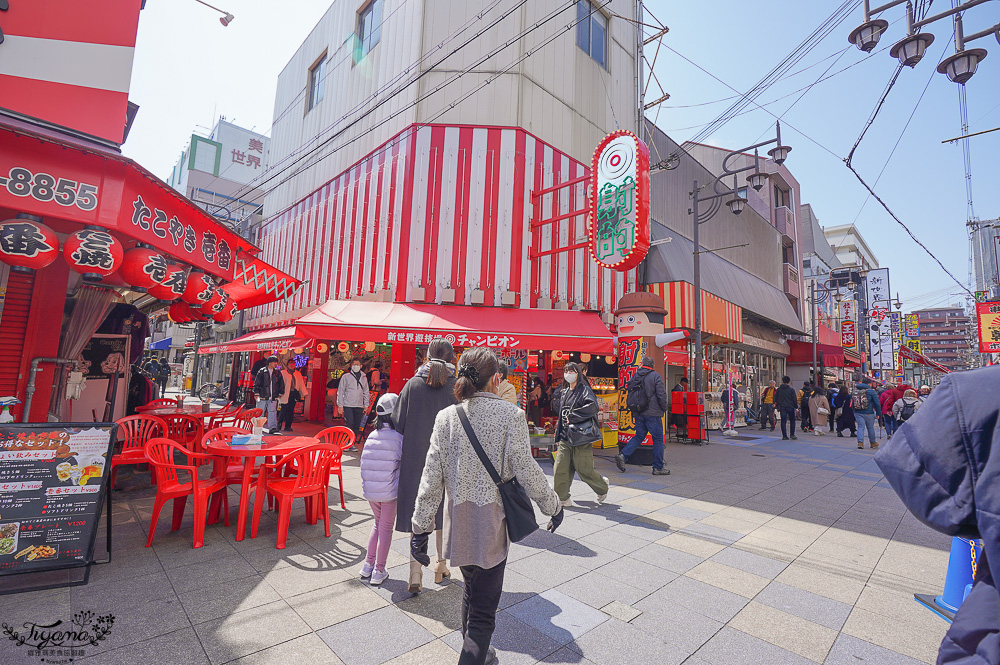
(160,453)
(244,418)
(163,402)
(184,429)
(135,432)
(310,482)
(340,438)
(225,417)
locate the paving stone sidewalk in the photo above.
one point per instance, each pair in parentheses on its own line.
(754,550)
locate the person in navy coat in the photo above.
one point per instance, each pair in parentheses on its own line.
(942,464)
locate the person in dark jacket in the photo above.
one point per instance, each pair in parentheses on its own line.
(420,400)
(269,386)
(803,397)
(944,463)
(845,420)
(730,401)
(785,402)
(831,397)
(576,433)
(650,421)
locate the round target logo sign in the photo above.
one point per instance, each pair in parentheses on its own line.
(619,202)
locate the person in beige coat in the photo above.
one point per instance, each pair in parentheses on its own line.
(286,405)
(820,419)
(507,389)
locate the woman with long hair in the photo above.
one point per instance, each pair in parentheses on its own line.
(420,400)
(476,538)
(576,432)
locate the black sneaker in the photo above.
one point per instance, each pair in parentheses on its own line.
(491,656)
(784,438)
(661,472)
(620,462)
(795,438)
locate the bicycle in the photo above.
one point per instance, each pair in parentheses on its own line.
(211,391)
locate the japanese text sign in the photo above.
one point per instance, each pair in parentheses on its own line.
(877,286)
(988,319)
(848,324)
(912,325)
(619,202)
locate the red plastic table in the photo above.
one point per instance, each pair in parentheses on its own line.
(188,410)
(272,446)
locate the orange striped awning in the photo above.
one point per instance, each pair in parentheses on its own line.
(719,317)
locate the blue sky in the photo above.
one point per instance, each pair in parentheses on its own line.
(189,69)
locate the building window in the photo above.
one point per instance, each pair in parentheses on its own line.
(369,29)
(592,32)
(316,75)
(781,197)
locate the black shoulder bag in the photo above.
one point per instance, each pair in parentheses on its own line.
(516,504)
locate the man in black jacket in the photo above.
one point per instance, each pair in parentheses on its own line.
(784,402)
(269,386)
(650,420)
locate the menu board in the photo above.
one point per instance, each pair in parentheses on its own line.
(53,479)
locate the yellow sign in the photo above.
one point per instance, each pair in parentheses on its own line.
(914,345)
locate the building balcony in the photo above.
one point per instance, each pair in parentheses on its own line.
(785,223)
(790,279)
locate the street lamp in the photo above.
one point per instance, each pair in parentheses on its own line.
(757,179)
(910,50)
(815,301)
(226,17)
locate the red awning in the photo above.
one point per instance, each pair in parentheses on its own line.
(827,355)
(463,326)
(105,188)
(265,340)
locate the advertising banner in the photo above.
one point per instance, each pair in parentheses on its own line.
(912,325)
(988,324)
(630,353)
(877,286)
(849,324)
(880,345)
(908,354)
(896,321)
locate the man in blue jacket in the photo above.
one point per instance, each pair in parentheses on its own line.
(941,465)
(866,409)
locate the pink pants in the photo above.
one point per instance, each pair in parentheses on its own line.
(381,538)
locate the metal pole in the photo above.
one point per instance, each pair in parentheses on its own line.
(699,355)
(815,315)
(194,359)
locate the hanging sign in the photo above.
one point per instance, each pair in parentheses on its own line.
(880,344)
(618,224)
(849,324)
(906,353)
(988,319)
(912,325)
(877,286)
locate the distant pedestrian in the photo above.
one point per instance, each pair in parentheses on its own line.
(477,537)
(767,406)
(844,404)
(803,398)
(866,407)
(924,393)
(576,433)
(535,401)
(294,392)
(649,420)
(785,401)
(678,420)
(730,402)
(507,389)
(353,398)
(681,387)
(163,376)
(819,411)
(944,465)
(904,408)
(269,385)
(831,397)
(420,401)
(380,486)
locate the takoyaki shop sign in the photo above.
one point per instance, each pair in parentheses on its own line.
(618,224)
(53,480)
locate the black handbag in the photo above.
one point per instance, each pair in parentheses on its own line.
(516,504)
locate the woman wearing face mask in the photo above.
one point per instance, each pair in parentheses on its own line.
(576,432)
(352,397)
(420,400)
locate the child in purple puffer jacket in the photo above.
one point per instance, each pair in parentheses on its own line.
(380,485)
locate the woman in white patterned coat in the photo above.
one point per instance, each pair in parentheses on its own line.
(475,526)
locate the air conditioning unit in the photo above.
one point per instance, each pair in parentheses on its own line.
(448,295)
(418,293)
(478,297)
(508,298)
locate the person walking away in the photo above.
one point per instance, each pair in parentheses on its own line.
(785,401)
(651,393)
(269,385)
(163,376)
(420,401)
(352,398)
(535,401)
(576,433)
(767,406)
(866,407)
(294,392)
(375,377)
(507,389)
(819,411)
(380,486)
(944,465)
(844,402)
(730,400)
(803,397)
(477,538)
(831,397)
(924,393)
(904,408)
(678,420)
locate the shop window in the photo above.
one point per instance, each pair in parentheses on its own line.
(369,29)
(592,32)
(316,75)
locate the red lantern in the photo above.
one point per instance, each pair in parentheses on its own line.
(200,289)
(143,268)
(93,252)
(216,304)
(27,245)
(228,311)
(174,285)
(181,312)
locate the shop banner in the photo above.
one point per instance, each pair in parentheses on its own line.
(630,353)
(988,319)
(909,354)
(896,322)
(880,345)
(914,345)
(849,324)
(877,286)
(53,481)
(912,325)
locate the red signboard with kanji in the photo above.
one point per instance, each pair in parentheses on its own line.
(988,323)
(619,202)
